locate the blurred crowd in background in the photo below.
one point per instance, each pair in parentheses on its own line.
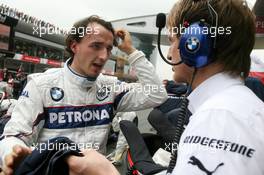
(12,83)
(15,13)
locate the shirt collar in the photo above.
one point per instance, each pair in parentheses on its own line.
(210,87)
(76,78)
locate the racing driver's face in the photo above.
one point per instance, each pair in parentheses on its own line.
(92,52)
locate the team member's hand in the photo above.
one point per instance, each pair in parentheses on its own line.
(92,163)
(13,159)
(126,44)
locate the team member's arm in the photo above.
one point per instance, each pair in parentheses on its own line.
(220,142)
(149,92)
(23,127)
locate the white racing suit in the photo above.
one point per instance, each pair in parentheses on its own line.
(59,102)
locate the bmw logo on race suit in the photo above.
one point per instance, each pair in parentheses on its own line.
(56,93)
(102,93)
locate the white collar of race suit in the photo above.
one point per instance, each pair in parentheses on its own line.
(81,80)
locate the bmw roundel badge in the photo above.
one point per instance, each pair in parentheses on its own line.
(102,93)
(192,44)
(56,93)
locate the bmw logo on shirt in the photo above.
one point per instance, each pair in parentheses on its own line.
(102,93)
(192,44)
(56,93)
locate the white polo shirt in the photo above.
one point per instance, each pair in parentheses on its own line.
(225,135)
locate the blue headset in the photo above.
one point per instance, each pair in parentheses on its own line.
(196,44)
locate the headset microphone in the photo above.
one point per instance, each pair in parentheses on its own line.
(160,23)
(161,20)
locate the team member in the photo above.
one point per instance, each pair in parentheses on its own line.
(224,135)
(77,101)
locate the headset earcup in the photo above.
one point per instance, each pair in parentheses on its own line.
(196,45)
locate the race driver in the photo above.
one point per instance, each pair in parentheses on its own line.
(77,101)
